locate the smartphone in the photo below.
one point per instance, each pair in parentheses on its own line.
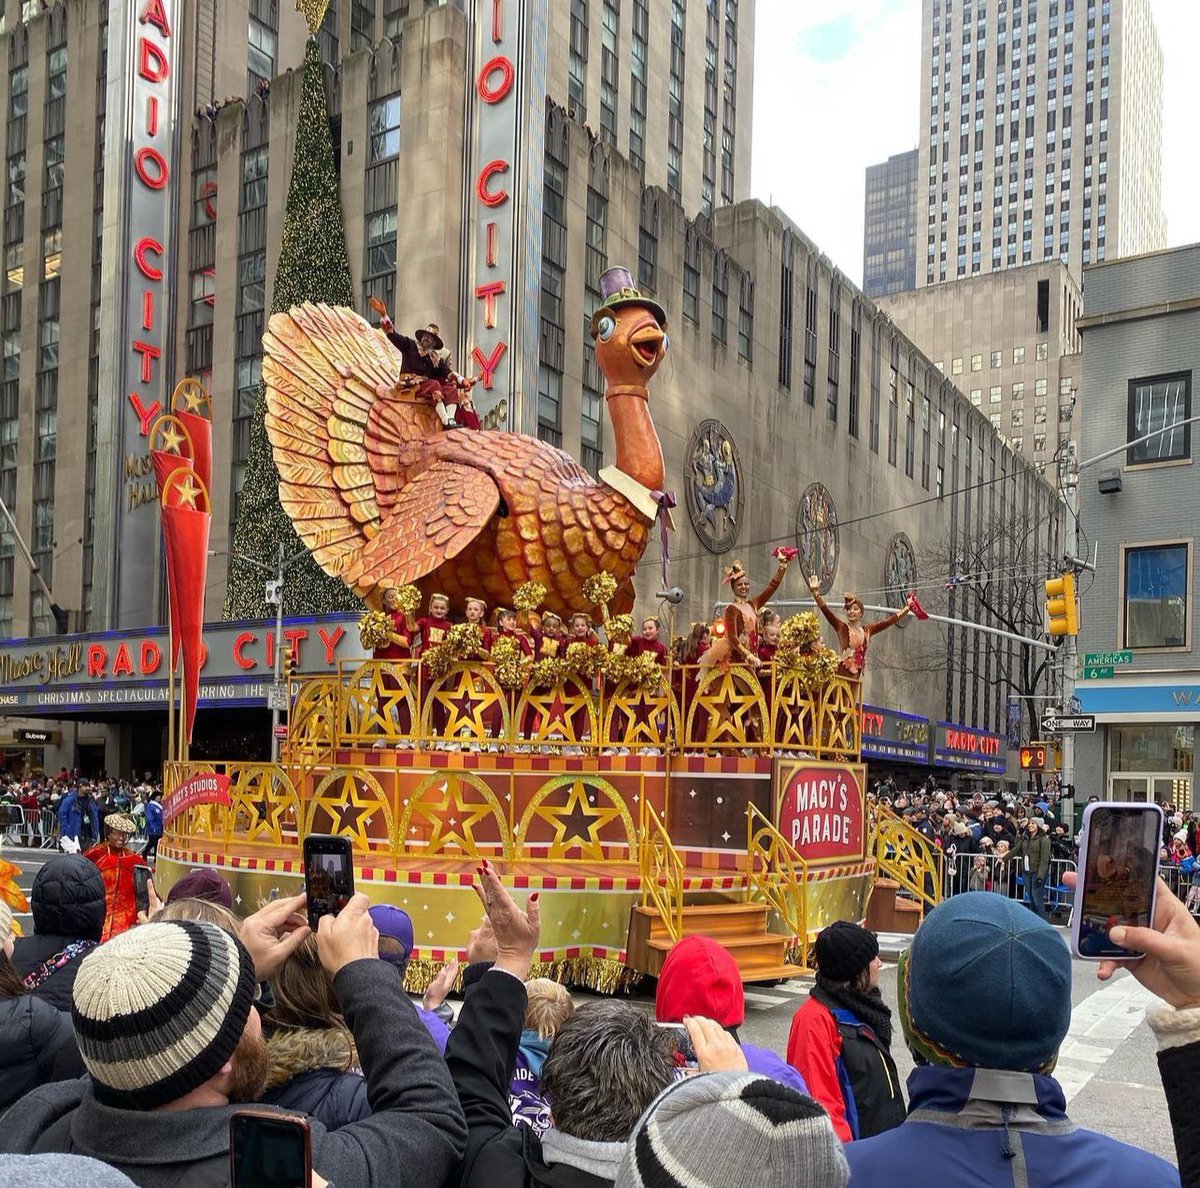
(328,875)
(141,887)
(1118,876)
(269,1150)
(683,1041)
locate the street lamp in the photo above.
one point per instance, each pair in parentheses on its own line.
(274,595)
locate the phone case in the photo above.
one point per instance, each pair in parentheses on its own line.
(1086,835)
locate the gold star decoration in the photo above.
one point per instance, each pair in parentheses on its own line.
(734,706)
(313,12)
(186,493)
(172,439)
(472,705)
(578,824)
(346,800)
(447,804)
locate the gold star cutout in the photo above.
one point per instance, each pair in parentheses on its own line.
(172,439)
(578,823)
(187,493)
(453,817)
(192,398)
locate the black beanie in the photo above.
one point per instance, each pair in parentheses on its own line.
(844,950)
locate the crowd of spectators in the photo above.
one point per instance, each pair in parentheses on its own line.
(135,1051)
(70,808)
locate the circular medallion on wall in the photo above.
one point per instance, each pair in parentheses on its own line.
(817,535)
(899,573)
(714,486)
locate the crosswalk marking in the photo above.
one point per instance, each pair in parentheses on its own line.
(1100,1024)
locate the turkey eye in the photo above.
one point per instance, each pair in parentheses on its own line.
(605,328)
(666,346)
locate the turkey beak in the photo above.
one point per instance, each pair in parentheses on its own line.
(646,343)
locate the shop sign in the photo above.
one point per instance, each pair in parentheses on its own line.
(893,734)
(821,810)
(968,748)
(206,788)
(129,669)
(504,233)
(39,738)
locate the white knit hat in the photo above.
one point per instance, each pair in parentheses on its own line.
(159,1009)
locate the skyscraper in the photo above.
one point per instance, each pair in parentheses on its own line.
(889,233)
(1041,134)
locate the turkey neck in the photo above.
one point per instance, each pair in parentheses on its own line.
(639,454)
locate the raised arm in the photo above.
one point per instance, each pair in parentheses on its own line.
(814,585)
(883,624)
(762,599)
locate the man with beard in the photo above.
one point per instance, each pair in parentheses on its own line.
(165,1020)
(841,1037)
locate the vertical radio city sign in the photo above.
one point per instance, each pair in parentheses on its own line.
(502,230)
(137,294)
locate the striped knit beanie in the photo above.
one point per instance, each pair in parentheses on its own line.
(159,1009)
(718,1129)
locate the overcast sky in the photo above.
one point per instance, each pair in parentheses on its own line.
(837,89)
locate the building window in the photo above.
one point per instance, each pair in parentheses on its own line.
(977,396)
(976,362)
(648,244)
(1017,418)
(994,394)
(637,91)
(787,293)
(691,274)
(1160,402)
(810,337)
(855,366)
(1018,391)
(720,297)
(362,25)
(384,124)
(381,244)
(675,100)
(1042,351)
(1018,355)
(577,60)
(995,359)
(609,20)
(746,318)
(549,405)
(1156,595)
(1039,387)
(260,59)
(835,346)
(956,366)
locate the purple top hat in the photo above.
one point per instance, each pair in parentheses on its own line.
(618,290)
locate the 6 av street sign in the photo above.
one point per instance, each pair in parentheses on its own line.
(1069,723)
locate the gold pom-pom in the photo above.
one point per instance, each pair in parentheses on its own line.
(465,641)
(409,598)
(547,673)
(584,661)
(816,669)
(508,662)
(798,631)
(437,660)
(375,630)
(648,673)
(619,629)
(528,596)
(600,588)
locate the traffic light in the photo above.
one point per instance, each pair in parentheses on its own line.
(289,665)
(1033,757)
(1062,609)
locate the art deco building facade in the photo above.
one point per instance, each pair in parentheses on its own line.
(791,409)
(889,230)
(1041,135)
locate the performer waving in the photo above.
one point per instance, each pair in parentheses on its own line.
(748,608)
(853,634)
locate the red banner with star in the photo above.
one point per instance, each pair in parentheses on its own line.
(192,405)
(187,519)
(170,450)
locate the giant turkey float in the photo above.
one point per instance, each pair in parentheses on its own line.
(644,798)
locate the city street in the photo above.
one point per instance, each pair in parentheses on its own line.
(1107,1067)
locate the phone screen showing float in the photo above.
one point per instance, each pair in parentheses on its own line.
(1118,865)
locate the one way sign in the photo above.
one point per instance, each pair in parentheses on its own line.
(1069,723)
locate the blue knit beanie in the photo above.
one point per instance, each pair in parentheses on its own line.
(986,984)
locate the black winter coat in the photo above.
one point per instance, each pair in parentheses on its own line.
(68,905)
(308,1074)
(35,1041)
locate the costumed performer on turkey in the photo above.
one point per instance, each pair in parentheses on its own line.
(116,863)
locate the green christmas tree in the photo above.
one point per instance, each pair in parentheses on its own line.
(313,266)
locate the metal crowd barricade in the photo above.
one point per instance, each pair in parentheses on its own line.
(1006,876)
(33,828)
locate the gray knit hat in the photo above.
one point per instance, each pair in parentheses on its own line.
(719,1129)
(159,1009)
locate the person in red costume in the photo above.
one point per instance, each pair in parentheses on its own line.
(852,633)
(116,863)
(477,617)
(748,608)
(648,641)
(504,626)
(551,640)
(435,625)
(397,649)
(769,626)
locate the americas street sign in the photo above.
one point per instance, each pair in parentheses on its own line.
(1069,723)
(1107,659)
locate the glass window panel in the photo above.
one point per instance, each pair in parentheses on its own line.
(1156,595)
